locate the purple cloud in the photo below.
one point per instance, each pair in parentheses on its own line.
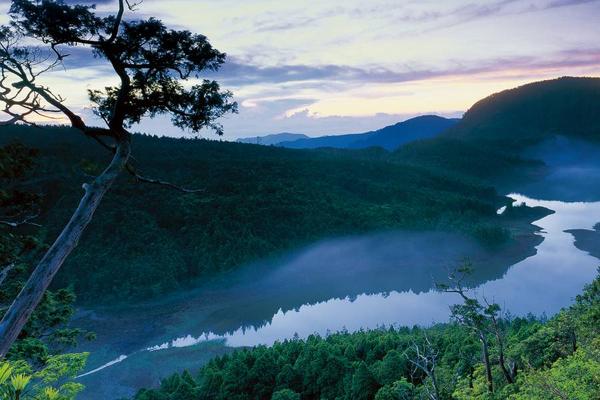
(237,73)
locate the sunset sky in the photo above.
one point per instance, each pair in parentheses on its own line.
(327,66)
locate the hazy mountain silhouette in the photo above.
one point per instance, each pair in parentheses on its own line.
(273,139)
(390,137)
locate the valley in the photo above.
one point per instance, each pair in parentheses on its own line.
(284,244)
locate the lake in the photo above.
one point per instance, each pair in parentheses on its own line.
(346,283)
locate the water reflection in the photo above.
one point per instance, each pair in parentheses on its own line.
(540,284)
(347,284)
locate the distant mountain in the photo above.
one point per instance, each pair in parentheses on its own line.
(394,136)
(274,139)
(390,137)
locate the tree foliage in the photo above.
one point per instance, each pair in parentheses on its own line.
(53,381)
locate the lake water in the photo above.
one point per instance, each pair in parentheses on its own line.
(341,284)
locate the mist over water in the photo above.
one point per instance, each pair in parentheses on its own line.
(340,284)
(354,283)
(572,173)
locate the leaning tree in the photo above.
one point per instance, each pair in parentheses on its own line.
(158,71)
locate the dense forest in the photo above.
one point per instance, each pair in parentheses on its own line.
(529,359)
(521,116)
(257,201)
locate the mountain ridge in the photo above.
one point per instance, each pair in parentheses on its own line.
(390,137)
(273,139)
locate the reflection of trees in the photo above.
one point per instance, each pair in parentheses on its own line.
(308,277)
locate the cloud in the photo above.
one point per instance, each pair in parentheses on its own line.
(236,73)
(274,25)
(406,12)
(475,10)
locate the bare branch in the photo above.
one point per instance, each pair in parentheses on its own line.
(24,221)
(5,271)
(140,178)
(425,359)
(144,179)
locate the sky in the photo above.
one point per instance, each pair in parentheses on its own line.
(331,66)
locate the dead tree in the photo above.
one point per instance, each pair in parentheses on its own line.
(424,358)
(152,63)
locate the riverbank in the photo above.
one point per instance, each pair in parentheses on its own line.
(587,240)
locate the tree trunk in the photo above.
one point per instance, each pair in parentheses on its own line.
(471,371)
(507,374)
(19,312)
(434,382)
(486,361)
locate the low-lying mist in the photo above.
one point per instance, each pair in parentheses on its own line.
(572,170)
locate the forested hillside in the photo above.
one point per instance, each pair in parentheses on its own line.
(273,139)
(436,258)
(488,142)
(519,117)
(257,201)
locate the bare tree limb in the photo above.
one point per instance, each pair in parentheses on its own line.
(5,271)
(24,221)
(140,178)
(171,185)
(425,360)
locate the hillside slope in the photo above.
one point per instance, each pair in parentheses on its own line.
(146,240)
(527,114)
(262,200)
